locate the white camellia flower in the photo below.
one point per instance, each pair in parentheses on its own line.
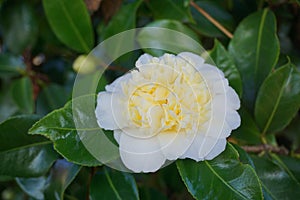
(169,107)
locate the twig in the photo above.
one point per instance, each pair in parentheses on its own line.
(266,147)
(211,19)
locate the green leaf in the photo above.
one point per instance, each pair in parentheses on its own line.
(50,98)
(204,26)
(162,40)
(11,65)
(59,127)
(23,155)
(71,23)
(248,132)
(19,25)
(52,186)
(224,177)
(112,184)
(255,49)
(290,164)
(22,93)
(278,99)
(226,64)
(277,182)
(171,9)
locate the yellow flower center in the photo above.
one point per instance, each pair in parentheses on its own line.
(165,101)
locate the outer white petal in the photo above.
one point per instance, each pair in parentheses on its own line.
(192,58)
(174,145)
(233,119)
(108,112)
(141,155)
(217,149)
(104,113)
(143,59)
(116,85)
(117,135)
(233,99)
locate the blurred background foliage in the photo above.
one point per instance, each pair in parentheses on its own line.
(40,41)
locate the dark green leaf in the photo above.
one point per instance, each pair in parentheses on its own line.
(278,99)
(172,36)
(224,177)
(277,182)
(171,9)
(70,21)
(225,63)
(255,49)
(22,93)
(111,184)
(23,155)
(289,164)
(204,26)
(59,126)
(54,185)
(11,65)
(248,132)
(19,25)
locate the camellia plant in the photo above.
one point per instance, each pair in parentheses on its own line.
(153,99)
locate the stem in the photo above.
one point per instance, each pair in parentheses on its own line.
(211,19)
(266,147)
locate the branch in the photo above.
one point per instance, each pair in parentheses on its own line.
(266,147)
(211,19)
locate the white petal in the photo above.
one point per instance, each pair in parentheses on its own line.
(174,145)
(108,112)
(117,135)
(192,58)
(141,155)
(207,145)
(143,59)
(193,150)
(103,111)
(233,99)
(233,119)
(217,149)
(116,85)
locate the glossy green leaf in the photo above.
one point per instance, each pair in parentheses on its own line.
(204,26)
(226,64)
(111,184)
(53,186)
(248,132)
(19,25)
(50,98)
(161,40)
(11,65)
(22,93)
(277,182)
(23,155)
(290,164)
(171,9)
(60,128)
(255,49)
(70,21)
(278,99)
(224,177)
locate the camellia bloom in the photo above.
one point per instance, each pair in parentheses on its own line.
(169,107)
